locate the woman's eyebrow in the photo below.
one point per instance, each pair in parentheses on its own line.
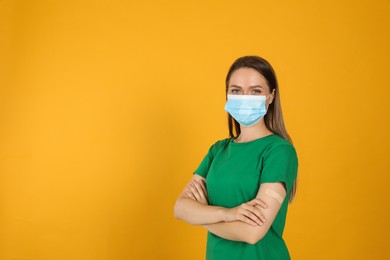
(255,86)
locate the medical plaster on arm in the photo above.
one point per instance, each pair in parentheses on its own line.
(274,195)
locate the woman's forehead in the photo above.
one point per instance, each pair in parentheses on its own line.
(247,77)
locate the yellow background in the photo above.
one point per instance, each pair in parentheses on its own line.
(106,108)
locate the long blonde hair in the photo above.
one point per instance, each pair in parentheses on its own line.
(273,118)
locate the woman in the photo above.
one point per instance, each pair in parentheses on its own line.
(241,189)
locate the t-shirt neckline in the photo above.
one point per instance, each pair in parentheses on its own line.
(242,143)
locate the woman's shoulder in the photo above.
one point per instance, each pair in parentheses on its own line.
(222,142)
(278,140)
(218,145)
(280,144)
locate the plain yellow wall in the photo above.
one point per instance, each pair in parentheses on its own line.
(106,108)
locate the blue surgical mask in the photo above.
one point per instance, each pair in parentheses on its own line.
(246,109)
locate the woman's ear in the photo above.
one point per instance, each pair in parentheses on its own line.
(272,97)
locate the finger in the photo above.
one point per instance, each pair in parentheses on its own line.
(199,190)
(258,201)
(190,195)
(202,184)
(247,220)
(255,211)
(262,203)
(248,212)
(260,214)
(195,192)
(254,217)
(203,189)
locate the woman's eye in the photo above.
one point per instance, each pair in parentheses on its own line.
(235,91)
(256,92)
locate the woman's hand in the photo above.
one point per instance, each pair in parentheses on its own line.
(196,190)
(248,212)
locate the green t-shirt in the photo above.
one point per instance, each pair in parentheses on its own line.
(234,172)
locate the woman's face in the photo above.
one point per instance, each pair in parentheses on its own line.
(247,81)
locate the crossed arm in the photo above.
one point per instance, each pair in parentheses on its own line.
(248,222)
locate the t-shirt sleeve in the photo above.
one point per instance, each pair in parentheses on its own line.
(280,165)
(205,164)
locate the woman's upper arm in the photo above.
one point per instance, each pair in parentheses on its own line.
(273,194)
(277,177)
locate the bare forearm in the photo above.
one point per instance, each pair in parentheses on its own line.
(197,213)
(236,230)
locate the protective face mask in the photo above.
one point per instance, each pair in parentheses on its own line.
(246,109)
